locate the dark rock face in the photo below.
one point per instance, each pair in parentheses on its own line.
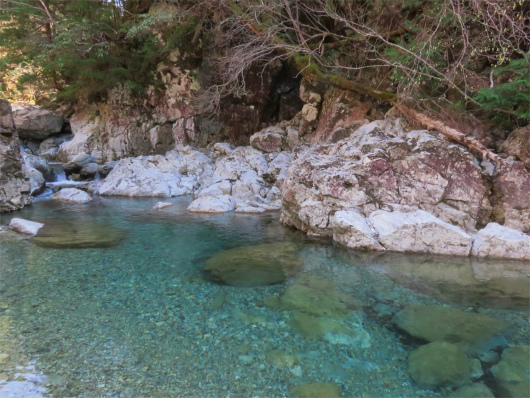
(14,184)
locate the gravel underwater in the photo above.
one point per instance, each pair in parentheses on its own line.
(116,299)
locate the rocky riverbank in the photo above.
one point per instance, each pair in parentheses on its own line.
(376,186)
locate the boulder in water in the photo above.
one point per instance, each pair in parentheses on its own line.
(64,234)
(73,195)
(316,390)
(439,364)
(474,333)
(260,265)
(513,371)
(209,204)
(25,226)
(476,390)
(314,296)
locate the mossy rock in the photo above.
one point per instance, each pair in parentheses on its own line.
(259,265)
(474,333)
(65,234)
(280,359)
(314,328)
(314,296)
(477,390)
(439,364)
(513,371)
(316,390)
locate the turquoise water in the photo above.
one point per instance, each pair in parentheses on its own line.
(142,319)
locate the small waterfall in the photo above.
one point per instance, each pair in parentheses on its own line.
(97,177)
(57,168)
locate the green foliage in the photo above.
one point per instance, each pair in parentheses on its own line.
(512,97)
(87,48)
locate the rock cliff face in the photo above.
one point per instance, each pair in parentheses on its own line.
(14,184)
(167,119)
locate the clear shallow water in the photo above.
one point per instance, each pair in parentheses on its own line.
(141,319)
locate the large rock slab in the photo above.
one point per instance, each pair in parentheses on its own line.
(64,234)
(35,122)
(439,364)
(25,226)
(474,333)
(260,265)
(498,241)
(175,174)
(314,296)
(380,166)
(73,195)
(15,188)
(419,232)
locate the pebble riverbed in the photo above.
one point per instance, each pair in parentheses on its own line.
(142,319)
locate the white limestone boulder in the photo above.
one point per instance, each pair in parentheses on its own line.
(496,240)
(162,205)
(175,174)
(209,204)
(25,226)
(351,229)
(419,232)
(73,195)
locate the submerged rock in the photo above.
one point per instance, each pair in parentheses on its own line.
(439,364)
(63,234)
(25,226)
(472,332)
(314,296)
(335,332)
(476,390)
(73,195)
(513,371)
(280,359)
(259,265)
(162,205)
(316,390)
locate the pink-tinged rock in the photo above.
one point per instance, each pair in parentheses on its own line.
(511,196)
(271,139)
(341,114)
(25,226)
(419,232)
(498,241)
(381,166)
(351,229)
